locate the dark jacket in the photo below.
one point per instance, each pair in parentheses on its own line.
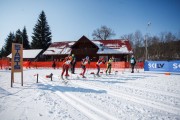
(133,61)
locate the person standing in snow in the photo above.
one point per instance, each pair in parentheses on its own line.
(65,66)
(73,63)
(28,64)
(84,62)
(99,62)
(109,65)
(133,63)
(54,64)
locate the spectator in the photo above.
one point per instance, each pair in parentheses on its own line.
(73,64)
(133,63)
(28,64)
(54,64)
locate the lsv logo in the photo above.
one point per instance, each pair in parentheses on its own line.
(176,65)
(155,65)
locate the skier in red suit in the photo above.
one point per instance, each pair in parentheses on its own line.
(84,62)
(99,62)
(65,66)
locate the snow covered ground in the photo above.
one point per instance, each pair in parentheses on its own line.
(121,96)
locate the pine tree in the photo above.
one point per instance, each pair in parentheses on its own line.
(18,37)
(26,44)
(41,38)
(8,44)
(2,52)
(22,38)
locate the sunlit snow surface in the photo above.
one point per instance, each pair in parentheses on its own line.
(121,95)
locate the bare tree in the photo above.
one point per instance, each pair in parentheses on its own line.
(178,35)
(162,47)
(154,49)
(129,37)
(103,33)
(138,38)
(136,41)
(138,44)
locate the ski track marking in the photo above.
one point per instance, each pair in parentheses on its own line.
(148,90)
(153,104)
(152,91)
(89,110)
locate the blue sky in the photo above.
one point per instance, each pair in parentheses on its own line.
(70,19)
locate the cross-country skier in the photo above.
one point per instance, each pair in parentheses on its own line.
(65,66)
(99,62)
(109,65)
(84,62)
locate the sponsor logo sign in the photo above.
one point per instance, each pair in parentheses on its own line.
(164,66)
(174,66)
(156,66)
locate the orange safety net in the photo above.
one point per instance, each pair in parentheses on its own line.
(78,64)
(140,65)
(6,63)
(28,64)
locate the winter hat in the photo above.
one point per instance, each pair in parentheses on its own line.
(87,57)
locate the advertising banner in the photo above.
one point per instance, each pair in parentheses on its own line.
(156,66)
(162,66)
(174,66)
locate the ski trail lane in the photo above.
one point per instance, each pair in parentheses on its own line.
(87,109)
(116,93)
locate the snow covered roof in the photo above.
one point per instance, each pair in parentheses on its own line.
(59,48)
(116,46)
(31,53)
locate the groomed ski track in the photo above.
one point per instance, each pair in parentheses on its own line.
(119,96)
(87,109)
(116,93)
(91,111)
(130,97)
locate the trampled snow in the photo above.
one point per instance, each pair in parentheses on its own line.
(119,96)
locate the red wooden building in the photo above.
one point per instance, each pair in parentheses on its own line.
(119,48)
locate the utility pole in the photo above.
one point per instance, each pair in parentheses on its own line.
(146,37)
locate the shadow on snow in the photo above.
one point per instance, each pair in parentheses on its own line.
(68,89)
(4,93)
